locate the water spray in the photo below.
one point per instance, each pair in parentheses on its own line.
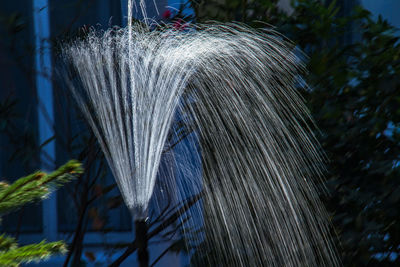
(258,153)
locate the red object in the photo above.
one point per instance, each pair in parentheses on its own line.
(167,14)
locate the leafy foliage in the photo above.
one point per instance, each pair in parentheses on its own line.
(31,188)
(35,186)
(35,252)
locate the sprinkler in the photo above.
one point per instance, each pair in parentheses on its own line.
(141,239)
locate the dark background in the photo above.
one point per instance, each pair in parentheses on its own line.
(353,59)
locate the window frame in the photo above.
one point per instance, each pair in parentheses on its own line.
(46,131)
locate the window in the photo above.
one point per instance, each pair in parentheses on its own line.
(43,131)
(18,106)
(60,130)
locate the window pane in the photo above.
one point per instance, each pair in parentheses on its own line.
(18,108)
(106,211)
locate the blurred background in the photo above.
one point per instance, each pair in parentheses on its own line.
(352,53)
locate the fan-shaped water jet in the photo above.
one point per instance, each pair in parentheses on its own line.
(235,88)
